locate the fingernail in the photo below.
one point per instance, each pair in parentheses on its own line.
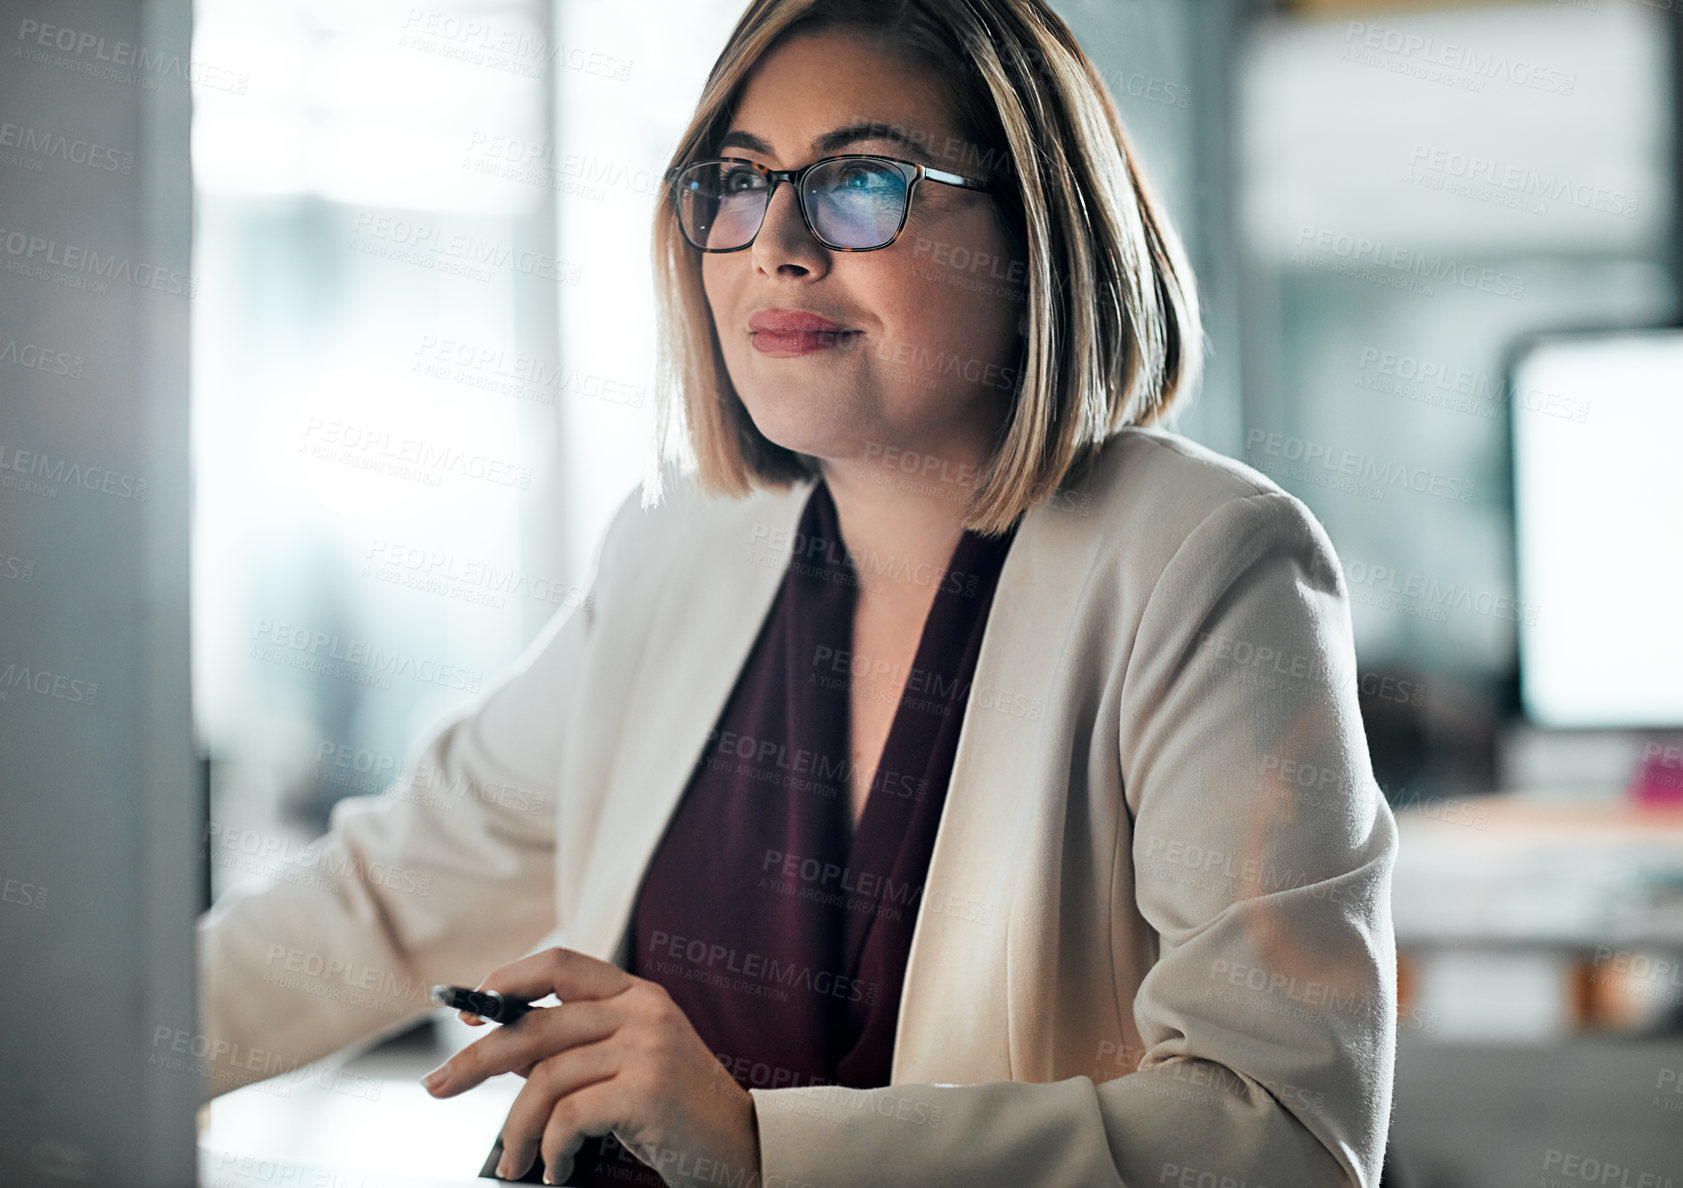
(435,1078)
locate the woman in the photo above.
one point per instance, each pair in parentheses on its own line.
(928,795)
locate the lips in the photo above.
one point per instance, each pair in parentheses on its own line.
(785,333)
(791,321)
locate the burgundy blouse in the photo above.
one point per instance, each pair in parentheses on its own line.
(781,933)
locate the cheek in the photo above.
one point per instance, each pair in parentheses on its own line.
(719,282)
(934,303)
(710,286)
(954,277)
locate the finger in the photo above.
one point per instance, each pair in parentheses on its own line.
(591,1111)
(539,1034)
(551,1082)
(566,973)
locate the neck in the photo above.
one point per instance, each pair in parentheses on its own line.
(899,528)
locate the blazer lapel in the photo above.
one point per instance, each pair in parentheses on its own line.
(957,1021)
(698,641)
(965,1006)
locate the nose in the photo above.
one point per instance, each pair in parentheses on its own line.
(784,240)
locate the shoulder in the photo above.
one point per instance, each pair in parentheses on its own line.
(1152,495)
(1153,472)
(670,521)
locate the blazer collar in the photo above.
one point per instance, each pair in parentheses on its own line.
(698,640)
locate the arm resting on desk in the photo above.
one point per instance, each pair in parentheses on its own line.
(444,878)
(1269,1015)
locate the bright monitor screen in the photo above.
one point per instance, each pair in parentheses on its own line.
(1598,491)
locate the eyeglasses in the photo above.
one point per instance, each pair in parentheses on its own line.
(852,203)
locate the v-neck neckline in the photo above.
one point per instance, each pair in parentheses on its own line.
(898,723)
(969,545)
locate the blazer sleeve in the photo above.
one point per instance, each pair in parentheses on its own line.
(446,875)
(1262,852)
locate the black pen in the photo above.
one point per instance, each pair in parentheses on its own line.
(487,1004)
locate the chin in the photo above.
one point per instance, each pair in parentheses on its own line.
(823,437)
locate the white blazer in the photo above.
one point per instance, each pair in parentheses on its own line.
(1155,941)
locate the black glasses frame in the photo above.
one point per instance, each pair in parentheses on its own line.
(912,171)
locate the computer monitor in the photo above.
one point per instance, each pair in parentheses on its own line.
(1598,504)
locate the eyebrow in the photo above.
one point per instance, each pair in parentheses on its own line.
(829,142)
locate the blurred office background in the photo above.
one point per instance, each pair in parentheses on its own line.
(1438,245)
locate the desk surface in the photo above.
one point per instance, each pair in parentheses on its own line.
(369,1114)
(1526,870)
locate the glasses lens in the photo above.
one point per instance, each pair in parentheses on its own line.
(720,204)
(856,203)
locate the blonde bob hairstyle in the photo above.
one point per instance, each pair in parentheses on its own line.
(1113,331)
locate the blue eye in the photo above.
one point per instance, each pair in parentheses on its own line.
(859,179)
(737,180)
(863,177)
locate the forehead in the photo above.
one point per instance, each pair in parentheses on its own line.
(812,84)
